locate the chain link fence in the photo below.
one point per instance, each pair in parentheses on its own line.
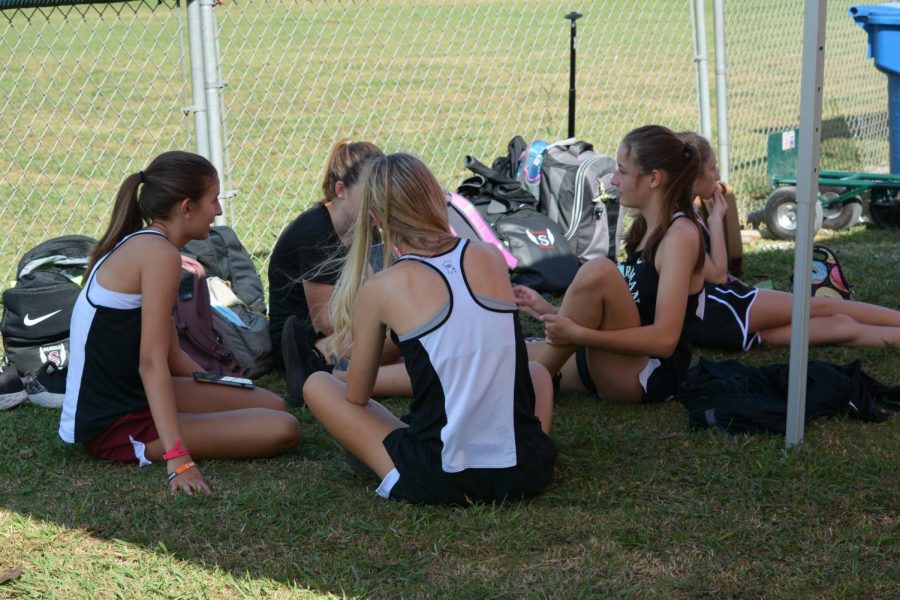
(439,79)
(91,92)
(764,51)
(88,93)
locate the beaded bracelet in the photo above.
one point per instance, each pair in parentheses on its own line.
(177,451)
(180,469)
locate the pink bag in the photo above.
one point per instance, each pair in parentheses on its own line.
(467,222)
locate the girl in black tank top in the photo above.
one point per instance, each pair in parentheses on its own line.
(739,316)
(632,330)
(130,391)
(643,281)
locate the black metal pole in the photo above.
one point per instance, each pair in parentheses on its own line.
(573,47)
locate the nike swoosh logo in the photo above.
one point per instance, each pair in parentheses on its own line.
(29,321)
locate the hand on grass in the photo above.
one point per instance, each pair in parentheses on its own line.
(189,481)
(532,303)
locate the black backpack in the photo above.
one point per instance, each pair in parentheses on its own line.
(735,398)
(545,261)
(575,191)
(37,310)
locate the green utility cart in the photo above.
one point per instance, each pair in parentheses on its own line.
(840,193)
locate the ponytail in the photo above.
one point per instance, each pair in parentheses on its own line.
(654,147)
(152,194)
(126,219)
(343,164)
(353,275)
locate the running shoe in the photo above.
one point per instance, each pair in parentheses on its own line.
(47,387)
(12,391)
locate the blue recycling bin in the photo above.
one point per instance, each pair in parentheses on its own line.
(882,23)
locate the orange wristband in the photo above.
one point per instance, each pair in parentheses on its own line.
(181,469)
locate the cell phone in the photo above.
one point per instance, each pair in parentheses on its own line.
(224,379)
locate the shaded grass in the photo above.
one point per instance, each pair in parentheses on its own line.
(639,506)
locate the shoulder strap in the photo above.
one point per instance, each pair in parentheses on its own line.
(103,258)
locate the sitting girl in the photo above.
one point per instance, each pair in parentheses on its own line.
(631,335)
(473,434)
(739,316)
(305,265)
(130,395)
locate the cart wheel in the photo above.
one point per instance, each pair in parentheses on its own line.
(781,213)
(885,211)
(842,216)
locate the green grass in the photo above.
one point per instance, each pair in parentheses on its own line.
(640,506)
(93,98)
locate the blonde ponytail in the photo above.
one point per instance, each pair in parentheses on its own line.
(353,274)
(411,208)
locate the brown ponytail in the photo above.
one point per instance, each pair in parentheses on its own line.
(654,147)
(152,194)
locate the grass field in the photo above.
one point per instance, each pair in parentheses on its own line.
(640,506)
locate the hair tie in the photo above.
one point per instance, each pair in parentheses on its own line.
(142,177)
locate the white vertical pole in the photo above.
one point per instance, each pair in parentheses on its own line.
(701,60)
(721,89)
(213,87)
(814,15)
(198,81)
(227,193)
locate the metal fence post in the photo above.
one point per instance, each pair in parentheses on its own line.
(213,87)
(721,89)
(701,61)
(198,80)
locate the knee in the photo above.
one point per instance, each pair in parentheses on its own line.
(285,432)
(822,307)
(272,400)
(599,278)
(316,387)
(598,270)
(844,328)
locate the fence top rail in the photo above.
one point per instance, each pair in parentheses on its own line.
(16,4)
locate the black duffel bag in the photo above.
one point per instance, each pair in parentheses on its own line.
(38,308)
(546,261)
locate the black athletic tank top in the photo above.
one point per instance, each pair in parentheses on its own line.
(643,282)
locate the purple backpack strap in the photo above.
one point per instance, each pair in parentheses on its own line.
(194,322)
